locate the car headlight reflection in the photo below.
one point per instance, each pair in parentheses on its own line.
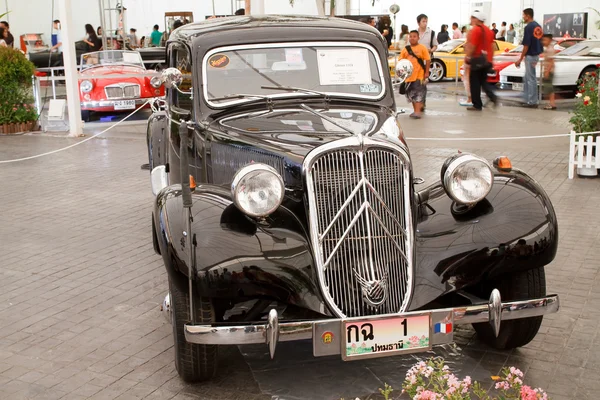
(257,190)
(86,86)
(467,178)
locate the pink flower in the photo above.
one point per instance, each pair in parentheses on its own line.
(528,393)
(427,395)
(516,371)
(502,385)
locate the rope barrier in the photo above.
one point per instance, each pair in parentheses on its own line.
(78,143)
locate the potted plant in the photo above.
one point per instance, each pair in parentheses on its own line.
(17,112)
(586,116)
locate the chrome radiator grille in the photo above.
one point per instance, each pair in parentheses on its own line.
(122,91)
(360,222)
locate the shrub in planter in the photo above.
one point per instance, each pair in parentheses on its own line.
(17,112)
(586,117)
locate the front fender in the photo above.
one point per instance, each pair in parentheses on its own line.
(237,258)
(157,139)
(513,229)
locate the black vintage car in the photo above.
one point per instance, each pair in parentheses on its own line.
(286,206)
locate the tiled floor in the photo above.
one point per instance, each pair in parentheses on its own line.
(80,286)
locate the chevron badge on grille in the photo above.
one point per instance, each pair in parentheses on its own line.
(374,291)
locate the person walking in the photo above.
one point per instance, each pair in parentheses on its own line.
(502,32)
(9,39)
(480,55)
(456,33)
(155,37)
(511,34)
(443,35)
(426,35)
(134,43)
(532,48)
(548,70)
(416,83)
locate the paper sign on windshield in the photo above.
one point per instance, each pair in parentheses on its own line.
(344,67)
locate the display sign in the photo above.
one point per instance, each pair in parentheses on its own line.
(566,25)
(344,67)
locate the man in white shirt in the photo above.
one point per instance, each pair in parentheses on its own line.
(456,33)
(426,35)
(501,35)
(59,45)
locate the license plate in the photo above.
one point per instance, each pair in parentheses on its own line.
(125,105)
(517,86)
(377,337)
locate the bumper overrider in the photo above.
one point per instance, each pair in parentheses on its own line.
(342,335)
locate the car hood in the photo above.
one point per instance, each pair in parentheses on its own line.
(512,70)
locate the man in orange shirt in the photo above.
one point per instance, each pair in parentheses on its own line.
(416,84)
(480,56)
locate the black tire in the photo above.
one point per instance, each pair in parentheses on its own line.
(433,77)
(194,362)
(518,332)
(86,115)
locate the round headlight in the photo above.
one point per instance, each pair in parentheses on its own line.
(467,178)
(86,86)
(257,190)
(156,81)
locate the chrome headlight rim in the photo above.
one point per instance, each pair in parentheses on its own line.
(242,174)
(86,86)
(156,82)
(453,164)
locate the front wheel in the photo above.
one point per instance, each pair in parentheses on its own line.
(523,285)
(194,362)
(437,71)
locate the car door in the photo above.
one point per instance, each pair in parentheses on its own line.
(180,106)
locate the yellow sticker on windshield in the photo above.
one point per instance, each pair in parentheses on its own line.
(218,61)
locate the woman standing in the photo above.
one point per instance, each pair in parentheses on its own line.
(91,39)
(385,27)
(463,31)
(510,34)
(403,39)
(443,35)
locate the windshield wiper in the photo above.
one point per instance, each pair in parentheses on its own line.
(240,96)
(326,118)
(295,89)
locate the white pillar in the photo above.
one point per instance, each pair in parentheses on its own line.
(70,63)
(257,7)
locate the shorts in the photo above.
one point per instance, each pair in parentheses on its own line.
(547,87)
(416,92)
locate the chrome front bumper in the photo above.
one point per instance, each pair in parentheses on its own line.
(273,332)
(85,105)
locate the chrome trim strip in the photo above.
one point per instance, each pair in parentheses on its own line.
(363,144)
(382,77)
(111,103)
(292,331)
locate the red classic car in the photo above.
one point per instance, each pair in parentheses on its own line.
(510,57)
(101,91)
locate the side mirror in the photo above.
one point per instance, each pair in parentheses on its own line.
(172,77)
(404,69)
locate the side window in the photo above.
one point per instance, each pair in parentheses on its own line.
(180,58)
(495,47)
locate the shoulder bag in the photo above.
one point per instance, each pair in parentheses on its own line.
(403,85)
(481,62)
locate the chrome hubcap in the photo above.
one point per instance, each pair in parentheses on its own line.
(436,71)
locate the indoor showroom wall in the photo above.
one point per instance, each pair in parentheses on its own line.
(33,16)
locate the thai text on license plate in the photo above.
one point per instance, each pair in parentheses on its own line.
(517,86)
(372,338)
(125,105)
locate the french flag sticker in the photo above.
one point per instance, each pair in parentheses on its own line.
(442,327)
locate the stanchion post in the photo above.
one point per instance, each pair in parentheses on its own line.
(53,83)
(540,81)
(457,71)
(37,95)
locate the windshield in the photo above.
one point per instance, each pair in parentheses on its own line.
(345,69)
(112,57)
(450,45)
(582,49)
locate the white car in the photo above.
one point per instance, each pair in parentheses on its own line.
(571,64)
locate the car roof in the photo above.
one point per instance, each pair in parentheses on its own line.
(189,31)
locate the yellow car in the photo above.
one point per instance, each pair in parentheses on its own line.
(449,57)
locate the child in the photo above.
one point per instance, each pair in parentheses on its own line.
(416,84)
(548,70)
